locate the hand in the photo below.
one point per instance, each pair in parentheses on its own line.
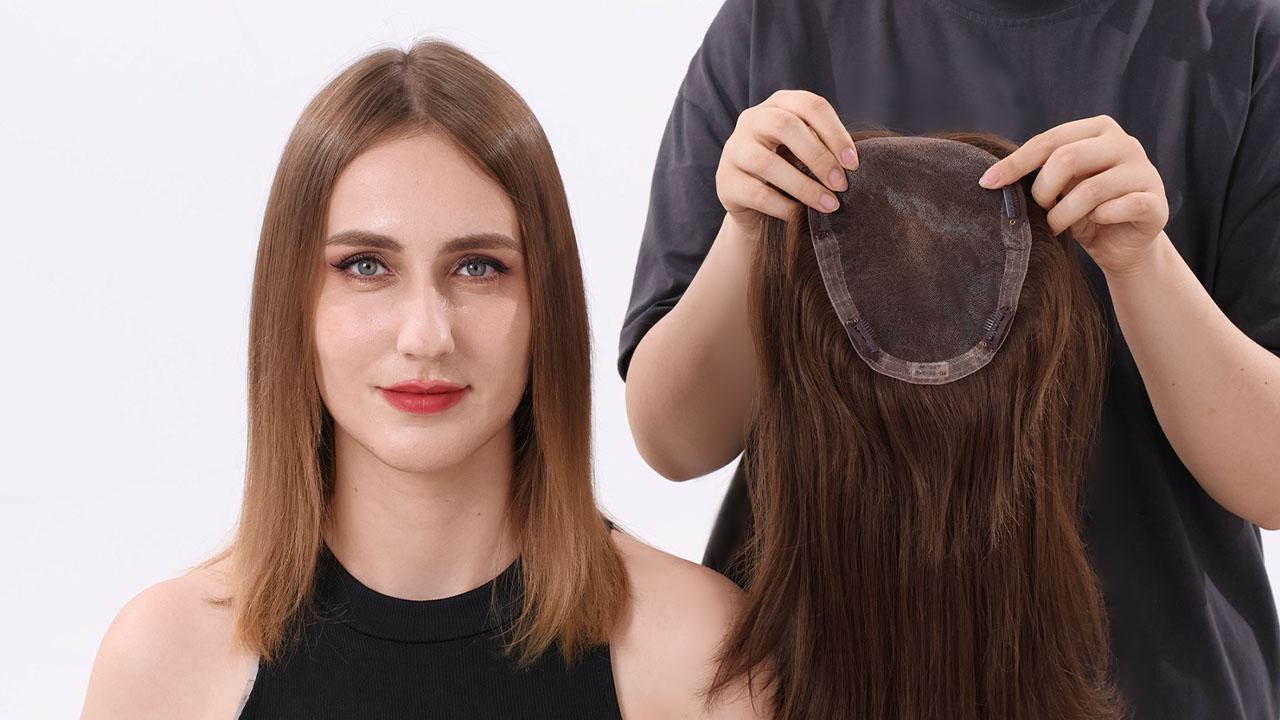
(1097,181)
(810,128)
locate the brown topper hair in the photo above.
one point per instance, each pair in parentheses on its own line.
(917,550)
(574,585)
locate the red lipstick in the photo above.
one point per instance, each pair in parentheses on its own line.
(423,398)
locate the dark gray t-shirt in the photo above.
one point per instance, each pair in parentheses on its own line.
(1193,623)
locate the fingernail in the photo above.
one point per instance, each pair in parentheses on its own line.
(849,158)
(828,202)
(988,180)
(836,180)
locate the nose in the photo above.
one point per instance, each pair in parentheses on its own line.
(426,325)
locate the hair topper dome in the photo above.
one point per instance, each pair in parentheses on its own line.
(922,265)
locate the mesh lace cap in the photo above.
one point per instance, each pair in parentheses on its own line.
(923,265)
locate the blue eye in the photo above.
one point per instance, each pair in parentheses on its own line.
(476,266)
(362,267)
(367,267)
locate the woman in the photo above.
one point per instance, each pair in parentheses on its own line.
(917,551)
(418,532)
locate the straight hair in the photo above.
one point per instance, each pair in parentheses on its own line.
(916,550)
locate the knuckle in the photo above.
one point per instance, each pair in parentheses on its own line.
(1151,204)
(777,122)
(1041,196)
(1051,219)
(1065,158)
(760,196)
(1090,191)
(754,158)
(820,161)
(786,97)
(1156,185)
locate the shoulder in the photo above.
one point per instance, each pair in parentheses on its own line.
(171,652)
(666,651)
(669,588)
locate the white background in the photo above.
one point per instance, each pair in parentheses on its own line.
(139,141)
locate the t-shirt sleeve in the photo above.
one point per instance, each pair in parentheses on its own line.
(1247,275)
(684,212)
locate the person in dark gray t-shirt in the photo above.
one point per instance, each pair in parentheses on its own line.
(1187,459)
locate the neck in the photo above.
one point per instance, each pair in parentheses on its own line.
(422,535)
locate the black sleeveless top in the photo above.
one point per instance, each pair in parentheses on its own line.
(368,655)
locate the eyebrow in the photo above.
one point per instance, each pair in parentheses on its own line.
(462,243)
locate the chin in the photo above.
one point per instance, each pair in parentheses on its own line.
(424,451)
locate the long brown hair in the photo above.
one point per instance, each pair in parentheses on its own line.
(917,550)
(574,586)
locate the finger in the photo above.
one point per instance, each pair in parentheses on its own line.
(767,165)
(1137,207)
(1071,185)
(1092,192)
(782,127)
(818,114)
(764,199)
(1037,150)
(1070,164)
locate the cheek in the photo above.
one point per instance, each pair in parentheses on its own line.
(497,333)
(347,332)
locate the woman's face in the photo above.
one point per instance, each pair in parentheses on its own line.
(423,282)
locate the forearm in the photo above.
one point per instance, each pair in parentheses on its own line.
(691,379)
(1215,392)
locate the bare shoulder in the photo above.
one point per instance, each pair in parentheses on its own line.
(672,589)
(171,652)
(665,654)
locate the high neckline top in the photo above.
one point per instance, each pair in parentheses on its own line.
(340,597)
(362,653)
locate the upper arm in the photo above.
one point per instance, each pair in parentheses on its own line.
(684,211)
(667,654)
(712,603)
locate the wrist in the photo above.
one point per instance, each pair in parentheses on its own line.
(1154,257)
